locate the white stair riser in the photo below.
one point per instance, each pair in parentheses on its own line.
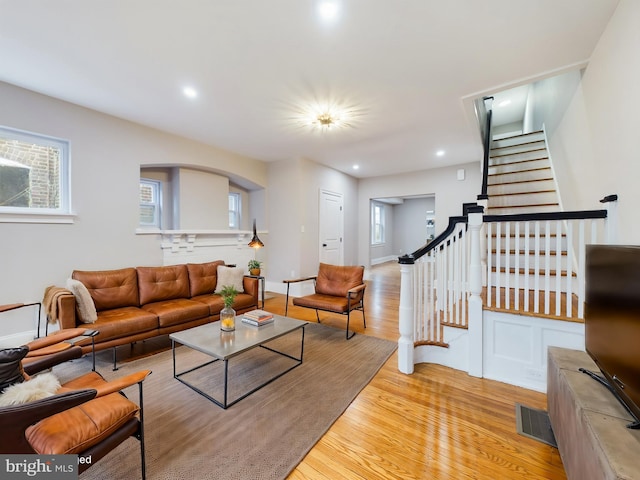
(520,242)
(518,157)
(523,199)
(519,176)
(518,139)
(520,210)
(522,261)
(517,148)
(521,187)
(519,167)
(541,280)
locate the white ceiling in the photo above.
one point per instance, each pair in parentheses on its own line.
(406,69)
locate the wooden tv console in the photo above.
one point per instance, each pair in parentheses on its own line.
(589,423)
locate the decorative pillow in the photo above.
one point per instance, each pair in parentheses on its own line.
(10,366)
(84,302)
(230,276)
(36,388)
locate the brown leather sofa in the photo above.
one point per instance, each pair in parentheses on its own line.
(134,304)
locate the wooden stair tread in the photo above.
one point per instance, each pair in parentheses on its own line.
(504,155)
(525,206)
(520,311)
(521,193)
(532,271)
(520,171)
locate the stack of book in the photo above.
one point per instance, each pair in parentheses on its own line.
(257,317)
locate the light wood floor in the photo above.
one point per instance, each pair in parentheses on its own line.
(437,423)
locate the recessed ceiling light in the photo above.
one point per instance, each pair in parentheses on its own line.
(440,153)
(190,92)
(328,9)
(504,103)
(356,167)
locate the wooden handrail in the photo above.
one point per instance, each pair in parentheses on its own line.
(410,259)
(487,149)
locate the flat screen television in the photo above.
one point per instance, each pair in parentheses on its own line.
(612,320)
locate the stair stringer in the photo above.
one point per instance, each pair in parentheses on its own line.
(456,355)
(514,347)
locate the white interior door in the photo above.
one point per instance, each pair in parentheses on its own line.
(331,228)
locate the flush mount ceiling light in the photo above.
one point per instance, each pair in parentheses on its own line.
(189,92)
(324,116)
(326,120)
(327,9)
(440,153)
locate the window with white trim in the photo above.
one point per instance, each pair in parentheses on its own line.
(34,173)
(234,210)
(377,224)
(150,203)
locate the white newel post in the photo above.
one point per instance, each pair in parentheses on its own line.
(611,223)
(405,342)
(475,300)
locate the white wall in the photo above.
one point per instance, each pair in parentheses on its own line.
(410,224)
(450,193)
(106,157)
(293,216)
(595,147)
(203,200)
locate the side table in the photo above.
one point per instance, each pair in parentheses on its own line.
(261,282)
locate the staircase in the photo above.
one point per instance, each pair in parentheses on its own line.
(523,256)
(486,295)
(520,178)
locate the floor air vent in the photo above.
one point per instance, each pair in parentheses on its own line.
(535,424)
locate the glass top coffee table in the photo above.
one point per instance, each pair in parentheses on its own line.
(223,346)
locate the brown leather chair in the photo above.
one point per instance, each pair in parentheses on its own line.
(87,416)
(54,349)
(338,289)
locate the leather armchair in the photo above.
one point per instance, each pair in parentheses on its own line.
(55,349)
(87,416)
(338,289)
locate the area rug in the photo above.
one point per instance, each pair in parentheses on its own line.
(265,435)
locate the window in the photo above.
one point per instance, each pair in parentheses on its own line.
(234,211)
(150,201)
(34,174)
(377,224)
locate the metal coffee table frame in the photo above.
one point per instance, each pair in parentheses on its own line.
(200,339)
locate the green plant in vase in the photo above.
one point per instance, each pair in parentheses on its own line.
(254,267)
(228,314)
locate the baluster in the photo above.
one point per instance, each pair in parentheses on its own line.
(489,262)
(536,266)
(497,257)
(547,267)
(516,247)
(465,280)
(507,257)
(569,243)
(559,267)
(581,269)
(527,265)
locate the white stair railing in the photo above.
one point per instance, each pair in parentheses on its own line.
(539,257)
(536,262)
